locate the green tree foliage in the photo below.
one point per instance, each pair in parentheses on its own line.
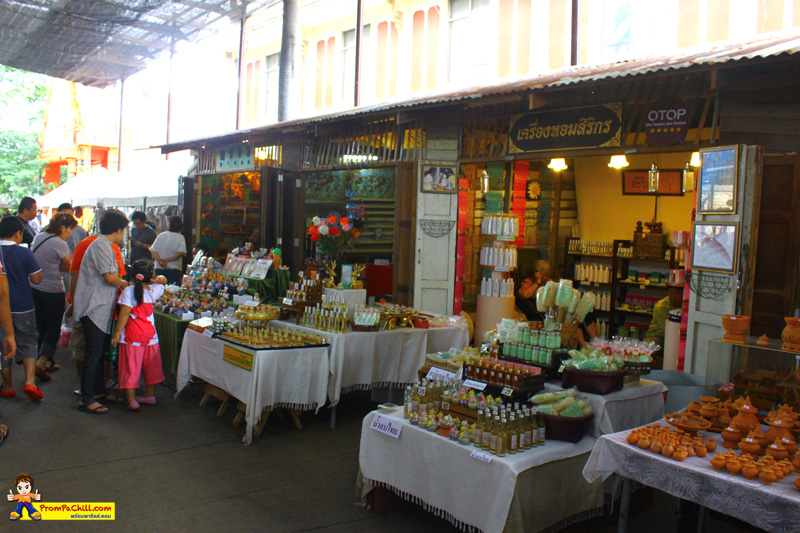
(23,98)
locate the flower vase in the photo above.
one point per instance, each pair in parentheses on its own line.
(791,334)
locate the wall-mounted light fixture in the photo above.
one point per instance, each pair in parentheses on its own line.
(557,164)
(652,179)
(485,181)
(618,162)
(695,161)
(689,178)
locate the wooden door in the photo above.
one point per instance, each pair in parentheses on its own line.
(775,279)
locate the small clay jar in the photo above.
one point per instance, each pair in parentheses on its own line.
(760,437)
(643,443)
(656,446)
(700,450)
(749,470)
(711,445)
(680,453)
(731,437)
(749,445)
(767,476)
(777,451)
(708,411)
(787,441)
(718,462)
(668,449)
(734,466)
(633,437)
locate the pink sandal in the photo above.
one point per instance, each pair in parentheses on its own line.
(133,406)
(148,400)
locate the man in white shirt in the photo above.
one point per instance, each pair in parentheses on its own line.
(168,251)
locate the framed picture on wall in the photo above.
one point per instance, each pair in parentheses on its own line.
(438,178)
(716,189)
(635,182)
(715,246)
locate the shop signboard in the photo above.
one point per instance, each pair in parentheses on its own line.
(666,122)
(636,182)
(237,156)
(238,358)
(571,128)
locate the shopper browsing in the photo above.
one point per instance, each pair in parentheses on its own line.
(168,250)
(674,300)
(49,296)
(142,237)
(21,268)
(26,212)
(95,299)
(78,233)
(135,333)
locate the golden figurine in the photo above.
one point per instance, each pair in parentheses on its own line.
(356,283)
(330,269)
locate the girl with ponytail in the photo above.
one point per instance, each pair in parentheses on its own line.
(139,352)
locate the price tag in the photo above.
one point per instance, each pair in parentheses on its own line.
(502,269)
(436,373)
(287,301)
(387,426)
(208,332)
(446,406)
(641,286)
(477,385)
(507,391)
(421,391)
(556,327)
(251,303)
(481,456)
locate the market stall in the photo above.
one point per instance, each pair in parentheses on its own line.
(294,378)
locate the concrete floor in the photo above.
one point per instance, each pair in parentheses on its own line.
(177,467)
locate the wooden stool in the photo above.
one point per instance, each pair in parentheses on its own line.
(213,391)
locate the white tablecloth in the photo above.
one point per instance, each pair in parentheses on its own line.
(633,406)
(440,474)
(367,360)
(294,379)
(773,508)
(351,297)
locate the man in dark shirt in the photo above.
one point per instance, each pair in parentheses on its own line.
(27,212)
(142,236)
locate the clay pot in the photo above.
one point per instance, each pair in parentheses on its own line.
(711,445)
(643,443)
(746,420)
(778,428)
(787,441)
(734,466)
(749,471)
(777,451)
(791,334)
(632,438)
(735,328)
(700,450)
(708,411)
(731,437)
(694,407)
(680,454)
(786,466)
(767,476)
(796,463)
(667,450)
(718,462)
(761,439)
(763,340)
(749,445)
(656,446)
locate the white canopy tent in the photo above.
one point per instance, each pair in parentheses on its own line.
(152,186)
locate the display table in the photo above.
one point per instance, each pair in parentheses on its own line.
(539,488)
(271,288)
(773,508)
(633,406)
(170,333)
(295,378)
(351,298)
(367,360)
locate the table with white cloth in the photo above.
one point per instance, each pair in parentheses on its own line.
(773,508)
(294,378)
(363,360)
(635,405)
(350,297)
(537,489)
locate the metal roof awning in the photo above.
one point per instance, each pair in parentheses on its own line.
(97,42)
(697,58)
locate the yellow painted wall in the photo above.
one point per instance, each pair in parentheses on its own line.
(604,214)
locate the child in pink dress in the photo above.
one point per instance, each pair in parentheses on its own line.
(139,352)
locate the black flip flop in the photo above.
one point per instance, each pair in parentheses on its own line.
(95,411)
(108,398)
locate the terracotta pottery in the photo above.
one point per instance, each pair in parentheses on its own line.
(694,407)
(777,451)
(789,443)
(763,340)
(760,437)
(734,466)
(796,463)
(749,471)
(709,411)
(791,334)
(735,328)
(656,446)
(778,428)
(643,443)
(767,477)
(731,437)
(718,462)
(787,467)
(680,454)
(700,450)
(711,445)
(667,450)
(746,420)
(750,445)
(632,437)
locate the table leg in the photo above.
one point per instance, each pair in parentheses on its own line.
(262,422)
(333,417)
(390,393)
(624,506)
(701,519)
(293,413)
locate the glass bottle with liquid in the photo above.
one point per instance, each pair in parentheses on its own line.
(477,434)
(502,436)
(513,434)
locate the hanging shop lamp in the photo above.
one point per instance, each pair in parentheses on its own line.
(689,182)
(557,164)
(695,161)
(652,179)
(618,161)
(485,182)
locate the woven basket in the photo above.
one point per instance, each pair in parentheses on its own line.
(566,428)
(593,381)
(638,368)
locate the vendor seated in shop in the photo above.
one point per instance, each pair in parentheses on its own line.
(531,281)
(674,300)
(587,329)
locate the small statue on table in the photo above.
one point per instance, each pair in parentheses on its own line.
(330,269)
(356,283)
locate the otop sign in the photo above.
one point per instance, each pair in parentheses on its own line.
(666,122)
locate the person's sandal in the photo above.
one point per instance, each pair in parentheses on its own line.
(42,374)
(133,406)
(8,393)
(33,393)
(109,398)
(146,400)
(101,410)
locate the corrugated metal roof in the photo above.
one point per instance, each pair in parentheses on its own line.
(97,42)
(700,57)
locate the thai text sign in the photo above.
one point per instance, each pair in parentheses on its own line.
(566,129)
(238,358)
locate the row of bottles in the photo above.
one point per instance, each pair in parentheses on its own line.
(538,337)
(592,273)
(529,352)
(504,225)
(366,316)
(603,328)
(496,373)
(603,300)
(333,303)
(505,430)
(332,320)
(499,255)
(299,290)
(591,247)
(503,288)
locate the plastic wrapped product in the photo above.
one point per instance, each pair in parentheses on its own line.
(564,294)
(585,306)
(550,294)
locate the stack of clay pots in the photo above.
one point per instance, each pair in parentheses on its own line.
(676,444)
